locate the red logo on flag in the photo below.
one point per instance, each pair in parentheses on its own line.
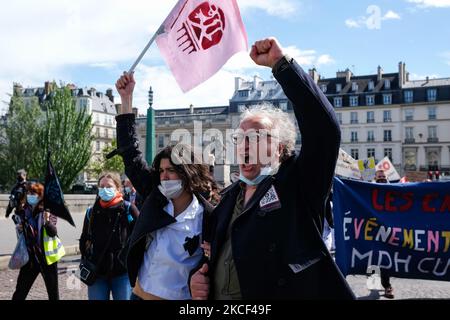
(203,29)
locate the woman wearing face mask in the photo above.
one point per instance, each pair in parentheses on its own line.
(106,230)
(33,222)
(166,242)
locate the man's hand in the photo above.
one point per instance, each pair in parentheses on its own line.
(200,284)
(125,86)
(266,52)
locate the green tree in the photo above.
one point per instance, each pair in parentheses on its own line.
(114,164)
(18,139)
(67,133)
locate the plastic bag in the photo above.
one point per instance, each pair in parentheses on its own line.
(20,255)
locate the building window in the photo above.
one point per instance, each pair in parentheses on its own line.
(387,84)
(242,108)
(409,114)
(339,117)
(431,113)
(97,132)
(338,102)
(106,133)
(283,106)
(387,135)
(370,116)
(338,87)
(355,153)
(370,100)
(323,87)
(271,92)
(388,153)
(354,136)
(387,98)
(258,94)
(409,135)
(370,152)
(371,85)
(353,117)
(432,133)
(161,142)
(97,146)
(387,116)
(354,86)
(354,101)
(431,95)
(370,136)
(409,96)
(243,94)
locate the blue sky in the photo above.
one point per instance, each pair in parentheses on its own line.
(90,43)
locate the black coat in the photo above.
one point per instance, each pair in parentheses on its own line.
(102,222)
(145,180)
(266,240)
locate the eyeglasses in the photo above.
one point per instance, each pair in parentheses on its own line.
(253,136)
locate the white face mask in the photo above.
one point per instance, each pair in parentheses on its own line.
(171,189)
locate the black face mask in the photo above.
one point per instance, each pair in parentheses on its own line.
(381,181)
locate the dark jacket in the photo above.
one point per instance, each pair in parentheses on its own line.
(102,221)
(267,239)
(145,180)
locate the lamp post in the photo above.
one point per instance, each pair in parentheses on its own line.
(150,148)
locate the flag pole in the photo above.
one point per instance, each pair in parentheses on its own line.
(157,33)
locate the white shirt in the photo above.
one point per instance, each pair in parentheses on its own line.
(167,264)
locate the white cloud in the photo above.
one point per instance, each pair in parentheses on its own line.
(391,15)
(280,8)
(352,23)
(309,58)
(431,3)
(373,19)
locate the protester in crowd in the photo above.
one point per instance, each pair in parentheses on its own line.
(106,230)
(17,195)
(130,194)
(267,236)
(32,220)
(166,242)
(380,177)
(328,228)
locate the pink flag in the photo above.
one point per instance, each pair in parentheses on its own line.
(199,37)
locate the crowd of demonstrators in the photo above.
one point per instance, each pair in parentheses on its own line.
(107,227)
(36,225)
(166,242)
(267,228)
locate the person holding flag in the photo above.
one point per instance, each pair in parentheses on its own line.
(38,226)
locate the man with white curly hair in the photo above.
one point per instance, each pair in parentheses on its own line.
(267,228)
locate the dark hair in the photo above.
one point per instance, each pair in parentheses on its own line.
(196,177)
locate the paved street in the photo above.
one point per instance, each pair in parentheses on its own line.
(71,289)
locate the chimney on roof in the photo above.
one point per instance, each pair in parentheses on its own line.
(238,83)
(47,88)
(407,76)
(379,73)
(347,74)
(191,109)
(17,89)
(256,81)
(109,94)
(402,77)
(428,79)
(92,92)
(135,112)
(314,75)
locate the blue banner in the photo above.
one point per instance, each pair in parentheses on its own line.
(402,228)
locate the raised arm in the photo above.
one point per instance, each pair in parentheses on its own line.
(136,168)
(316,119)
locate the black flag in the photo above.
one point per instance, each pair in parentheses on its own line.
(53,195)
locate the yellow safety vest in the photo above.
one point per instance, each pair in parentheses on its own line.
(54,250)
